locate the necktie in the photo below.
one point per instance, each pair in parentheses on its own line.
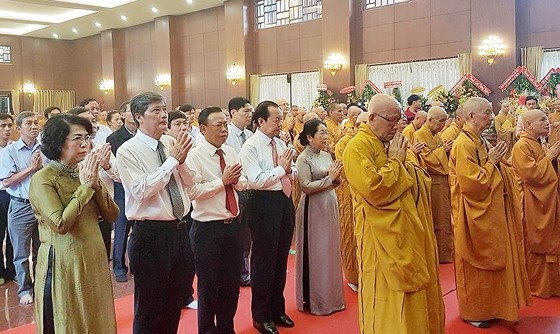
(172,188)
(231,203)
(243,137)
(286,184)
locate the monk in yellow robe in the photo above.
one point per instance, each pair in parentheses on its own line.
(346,215)
(534,165)
(353,113)
(505,126)
(417,122)
(398,289)
(434,157)
(334,128)
(454,129)
(295,123)
(296,189)
(554,119)
(490,271)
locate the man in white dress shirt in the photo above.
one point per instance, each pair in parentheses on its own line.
(101,131)
(155,178)
(215,233)
(269,169)
(7,270)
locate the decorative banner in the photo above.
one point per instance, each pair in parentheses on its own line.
(521,70)
(435,91)
(392,84)
(550,82)
(472,79)
(348,90)
(417,90)
(372,85)
(322,87)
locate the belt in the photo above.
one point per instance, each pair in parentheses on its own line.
(162,224)
(221,221)
(19,199)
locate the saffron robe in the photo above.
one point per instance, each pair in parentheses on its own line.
(505,130)
(541,203)
(408,131)
(554,135)
(434,158)
(396,264)
(451,133)
(335,133)
(489,264)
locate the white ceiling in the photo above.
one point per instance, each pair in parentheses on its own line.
(49,18)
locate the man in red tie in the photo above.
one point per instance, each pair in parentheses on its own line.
(269,169)
(215,233)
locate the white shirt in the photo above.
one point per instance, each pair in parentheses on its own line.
(194,135)
(101,135)
(258,166)
(209,193)
(2,187)
(234,137)
(144,178)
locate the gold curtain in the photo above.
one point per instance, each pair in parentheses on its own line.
(255,89)
(63,99)
(360,74)
(16,101)
(531,58)
(465,63)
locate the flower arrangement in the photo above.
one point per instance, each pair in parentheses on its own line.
(369,89)
(450,101)
(551,83)
(521,82)
(325,97)
(350,92)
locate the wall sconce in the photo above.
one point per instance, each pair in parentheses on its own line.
(163,80)
(29,89)
(334,63)
(234,73)
(491,48)
(107,86)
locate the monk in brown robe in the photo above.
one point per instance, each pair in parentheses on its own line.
(489,268)
(554,119)
(536,166)
(419,120)
(505,126)
(434,157)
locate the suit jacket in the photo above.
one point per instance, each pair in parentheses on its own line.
(117,138)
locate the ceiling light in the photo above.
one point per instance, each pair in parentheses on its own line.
(124,18)
(55,35)
(21,29)
(154,9)
(67,15)
(98,25)
(189,1)
(74,30)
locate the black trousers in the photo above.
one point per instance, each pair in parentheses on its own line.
(271,220)
(122,230)
(7,270)
(218,256)
(106,228)
(48,311)
(189,289)
(245,235)
(158,260)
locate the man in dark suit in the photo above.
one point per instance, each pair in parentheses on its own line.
(122,225)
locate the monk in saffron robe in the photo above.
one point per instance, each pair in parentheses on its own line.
(350,125)
(346,215)
(295,125)
(296,189)
(536,166)
(490,271)
(454,129)
(505,126)
(434,157)
(554,119)
(398,289)
(419,120)
(334,126)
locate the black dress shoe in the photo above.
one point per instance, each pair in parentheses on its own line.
(265,327)
(284,321)
(246,281)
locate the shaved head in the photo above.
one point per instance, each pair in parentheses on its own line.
(354,111)
(436,112)
(385,114)
(478,114)
(420,118)
(310,116)
(535,123)
(531,115)
(436,119)
(363,117)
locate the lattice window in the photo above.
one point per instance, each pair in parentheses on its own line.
(379,3)
(271,13)
(5,54)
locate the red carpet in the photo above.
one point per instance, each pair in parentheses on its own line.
(541,318)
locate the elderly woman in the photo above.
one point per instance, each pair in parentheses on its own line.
(72,278)
(319,284)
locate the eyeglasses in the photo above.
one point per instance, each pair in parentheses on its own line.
(388,120)
(79,138)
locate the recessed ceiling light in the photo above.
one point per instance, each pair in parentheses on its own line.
(98,25)
(189,1)
(55,35)
(74,30)
(124,18)
(154,9)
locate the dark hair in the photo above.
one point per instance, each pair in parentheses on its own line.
(173,116)
(122,107)
(186,107)
(140,103)
(237,103)
(86,101)
(261,111)
(48,111)
(203,117)
(77,111)
(529,98)
(110,115)
(310,128)
(22,116)
(4,116)
(55,132)
(412,98)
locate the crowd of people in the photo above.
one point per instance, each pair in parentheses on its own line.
(377,197)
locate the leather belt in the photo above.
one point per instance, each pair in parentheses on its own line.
(170,224)
(19,199)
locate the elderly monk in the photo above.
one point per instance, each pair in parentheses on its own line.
(320,111)
(346,216)
(454,129)
(295,125)
(334,128)
(489,268)
(536,166)
(353,113)
(296,189)
(505,126)
(434,157)
(397,292)
(417,122)
(554,119)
